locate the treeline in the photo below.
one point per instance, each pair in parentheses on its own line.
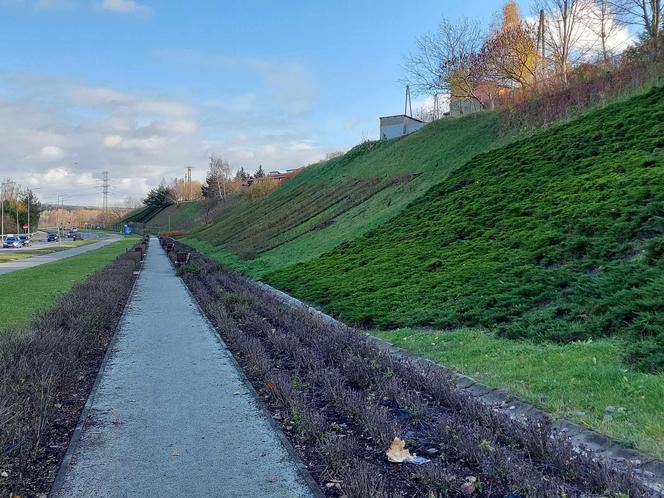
(562,44)
(18,206)
(220,184)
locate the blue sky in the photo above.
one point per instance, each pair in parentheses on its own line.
(144,89)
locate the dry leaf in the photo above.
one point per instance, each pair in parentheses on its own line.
(397,452)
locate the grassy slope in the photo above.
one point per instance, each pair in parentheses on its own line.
(555,237)
(341,199)
(186,216)
(25,292)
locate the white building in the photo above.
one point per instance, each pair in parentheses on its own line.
(398,126)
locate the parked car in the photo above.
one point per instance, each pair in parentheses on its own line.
(26,241)
(52,237)
(77,236)
(11,242)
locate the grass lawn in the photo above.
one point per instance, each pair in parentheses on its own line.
(25,292)
(11,255)
(576,381)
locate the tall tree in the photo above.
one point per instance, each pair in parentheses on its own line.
(647,14)
(218,175)
(565,20)
(511,51)
(259,172)
(449,60)
(604,24)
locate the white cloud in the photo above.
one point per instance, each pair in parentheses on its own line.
(125,7)
(60,134)
(51,153)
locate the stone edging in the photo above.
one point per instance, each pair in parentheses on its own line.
(648,468)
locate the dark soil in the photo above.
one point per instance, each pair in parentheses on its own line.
(341,401)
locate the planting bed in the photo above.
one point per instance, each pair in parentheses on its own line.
(341,401)
(47,372)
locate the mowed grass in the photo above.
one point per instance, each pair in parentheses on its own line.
(341,199)
(557,237)
(12,255)
(576,381)
(25,292)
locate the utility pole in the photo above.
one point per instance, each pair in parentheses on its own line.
(2,200)
(29,202)
(541,32)
(408,105)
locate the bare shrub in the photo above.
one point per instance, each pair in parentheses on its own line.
(52,357)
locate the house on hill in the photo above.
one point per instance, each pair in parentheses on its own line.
(279,176)
(398,126)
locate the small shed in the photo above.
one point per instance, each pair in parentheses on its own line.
(398,126)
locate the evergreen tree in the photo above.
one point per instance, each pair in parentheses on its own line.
(259,172)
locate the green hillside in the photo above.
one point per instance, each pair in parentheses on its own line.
(556,237)
(343,198)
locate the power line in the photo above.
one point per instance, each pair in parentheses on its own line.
(105,186)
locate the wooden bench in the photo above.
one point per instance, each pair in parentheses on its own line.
(181,258)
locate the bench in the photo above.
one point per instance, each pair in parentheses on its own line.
(181,258)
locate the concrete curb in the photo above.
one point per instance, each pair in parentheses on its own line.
(76,435)
(648,469)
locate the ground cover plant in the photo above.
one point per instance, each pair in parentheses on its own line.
(25,292)
(557,237)
(341,401)
(47,371)
(9,255)
(582,381)
(340,199)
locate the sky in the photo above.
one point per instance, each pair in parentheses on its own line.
(144,88)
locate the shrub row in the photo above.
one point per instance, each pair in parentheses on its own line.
(47,371)
(341,401)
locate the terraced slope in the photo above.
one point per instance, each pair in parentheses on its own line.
(559,237)
(341,199)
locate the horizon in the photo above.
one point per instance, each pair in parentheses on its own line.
(145,89)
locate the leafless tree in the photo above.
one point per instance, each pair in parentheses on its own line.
(645,13)
(512,55)
(565,22)
(448,60)
(604,24)
(220,170)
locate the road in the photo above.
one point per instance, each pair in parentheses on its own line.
(39,240)
(171,414)
(22,264)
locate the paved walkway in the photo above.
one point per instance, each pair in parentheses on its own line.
(22,264)
(171,414)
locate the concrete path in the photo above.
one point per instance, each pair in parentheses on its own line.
(171,414)
(22,264)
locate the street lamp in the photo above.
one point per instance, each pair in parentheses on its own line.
(29,199)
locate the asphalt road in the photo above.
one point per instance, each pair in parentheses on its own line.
(171,414)
(22,264)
